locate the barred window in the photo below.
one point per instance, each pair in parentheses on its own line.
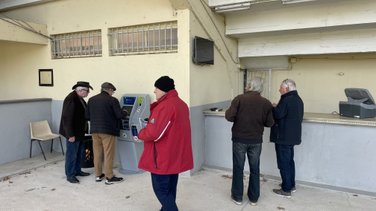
(77,44)
(144,39)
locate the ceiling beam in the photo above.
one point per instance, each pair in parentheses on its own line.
(13,4)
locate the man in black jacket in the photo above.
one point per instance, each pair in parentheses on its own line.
(287,132)
(250,113)
(73,126)
(105,116)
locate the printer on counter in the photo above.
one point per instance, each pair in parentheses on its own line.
(360,104)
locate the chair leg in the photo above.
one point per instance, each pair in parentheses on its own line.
(61,144)
(52,145)
(31,147)
(42,150)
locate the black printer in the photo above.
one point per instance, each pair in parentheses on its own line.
(360,104)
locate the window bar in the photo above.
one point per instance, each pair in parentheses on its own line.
(91,45)
(111,42)
(97,45)
(171,37)
(66,44)
(142,38)
(87,43)
(131,31)
(80,43)
(158,38)
(114,42)
(115,47)
(138,38)
(122,40)
(165,37)
(72,48)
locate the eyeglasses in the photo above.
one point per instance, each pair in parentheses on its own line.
(88,90)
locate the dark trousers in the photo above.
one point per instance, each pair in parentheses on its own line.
(286,165)
(164,187)
(253,151)
(73,157)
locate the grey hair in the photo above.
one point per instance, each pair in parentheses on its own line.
(256,84)
(289,83)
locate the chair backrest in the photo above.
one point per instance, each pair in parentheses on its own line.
(39,129)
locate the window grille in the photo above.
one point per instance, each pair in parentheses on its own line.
(144,39)
(77,44)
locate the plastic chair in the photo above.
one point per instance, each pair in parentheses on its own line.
(41,131)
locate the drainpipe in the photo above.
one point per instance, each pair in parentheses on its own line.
(245,76)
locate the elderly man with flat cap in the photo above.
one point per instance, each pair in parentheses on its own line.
(105,116)
(73,126)
(167,142)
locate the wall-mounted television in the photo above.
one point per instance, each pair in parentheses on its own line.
(203,51)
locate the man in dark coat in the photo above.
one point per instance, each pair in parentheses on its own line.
(73,126)
(105,116)
(287,132)
(250,113)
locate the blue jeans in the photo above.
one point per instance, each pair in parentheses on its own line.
(286,165)
(73,157)
(164,187)
(253,151)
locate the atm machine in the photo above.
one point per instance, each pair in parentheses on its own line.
(130,150)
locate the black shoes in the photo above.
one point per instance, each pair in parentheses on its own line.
(282,193)
(293,189)
(237,201)
(99,178)
(73,180)
(83,174)
(113,180)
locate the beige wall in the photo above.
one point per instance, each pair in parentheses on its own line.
(321,80)
(221,81)
(19,64)
(130,74)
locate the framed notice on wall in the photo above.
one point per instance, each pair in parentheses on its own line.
(46,77)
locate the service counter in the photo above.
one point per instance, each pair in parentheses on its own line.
(336,152)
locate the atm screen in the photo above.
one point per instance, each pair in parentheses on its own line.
(129,100)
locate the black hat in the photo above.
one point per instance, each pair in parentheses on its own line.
(83,84)
(165,83)
(108,85)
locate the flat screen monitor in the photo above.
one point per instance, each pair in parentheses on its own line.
(359,94)
(203,51)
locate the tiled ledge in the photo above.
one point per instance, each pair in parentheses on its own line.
(24,100)
(320,118)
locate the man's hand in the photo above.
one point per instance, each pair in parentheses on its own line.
(135,138)
(72,139)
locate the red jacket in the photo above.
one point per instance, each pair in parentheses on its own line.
(167,137)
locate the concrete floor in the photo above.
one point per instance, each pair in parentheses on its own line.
(35,184)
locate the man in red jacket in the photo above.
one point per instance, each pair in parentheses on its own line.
(167,142)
